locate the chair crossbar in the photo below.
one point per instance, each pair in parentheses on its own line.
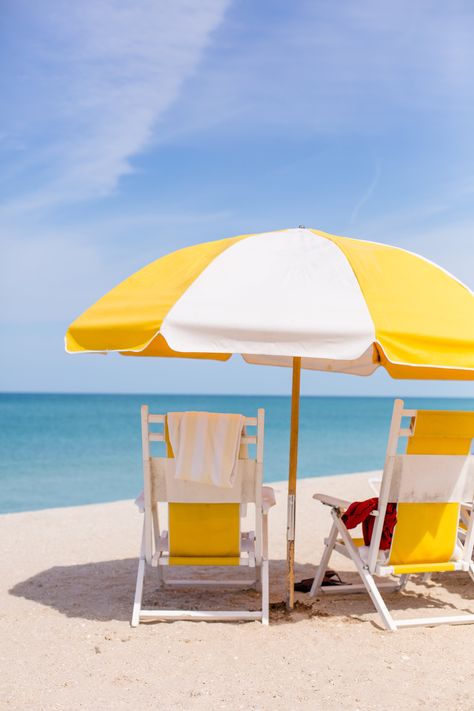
(199,583)
(384,570)
(342,549)
(216,615)
(156,419)
(355,589)
(156,437)
(430,621)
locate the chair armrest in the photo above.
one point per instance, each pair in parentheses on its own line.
(268,498)
(140,502)
(332,501)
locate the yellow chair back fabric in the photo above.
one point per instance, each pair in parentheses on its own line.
(425,535)
(442,432)
(204,534)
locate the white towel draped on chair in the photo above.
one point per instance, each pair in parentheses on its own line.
(205,445)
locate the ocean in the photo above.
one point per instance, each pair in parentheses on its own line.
(67,450)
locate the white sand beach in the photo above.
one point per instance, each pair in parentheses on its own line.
(67,582)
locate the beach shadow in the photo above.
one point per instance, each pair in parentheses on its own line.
(419,598)
(92,591)
(104,591)
(459,583)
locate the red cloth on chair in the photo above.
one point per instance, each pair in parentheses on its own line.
(360,512)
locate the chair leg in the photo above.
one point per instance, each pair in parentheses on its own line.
(264,574)
(378,601)
(138,593)
(471,569)
(137,603)
(159,576)
(156,527)
(367,577)
(265,593)
(322,567)
(403,582)
(258,577)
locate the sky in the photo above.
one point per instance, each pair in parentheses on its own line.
(130,129)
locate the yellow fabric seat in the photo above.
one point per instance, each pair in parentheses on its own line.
(204,534)
(425,534)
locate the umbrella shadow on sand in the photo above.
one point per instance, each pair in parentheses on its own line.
(104,591)
(91,591)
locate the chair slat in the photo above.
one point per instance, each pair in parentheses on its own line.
(156,418)
(249,421)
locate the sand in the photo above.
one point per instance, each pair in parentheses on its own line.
(66,589)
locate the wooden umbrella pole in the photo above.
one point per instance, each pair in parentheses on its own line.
(290,529)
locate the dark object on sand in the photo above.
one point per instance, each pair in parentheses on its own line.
(330,578)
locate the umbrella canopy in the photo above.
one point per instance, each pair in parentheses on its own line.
(296,297)
(340,304)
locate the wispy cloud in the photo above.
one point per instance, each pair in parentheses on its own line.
(92,87)
(367,193)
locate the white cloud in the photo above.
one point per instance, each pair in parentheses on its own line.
(98,78)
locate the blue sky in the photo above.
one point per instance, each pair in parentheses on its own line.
(129,129)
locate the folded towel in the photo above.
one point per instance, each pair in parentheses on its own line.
(206,446)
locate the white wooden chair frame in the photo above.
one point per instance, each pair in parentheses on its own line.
(340,540)
(154,549)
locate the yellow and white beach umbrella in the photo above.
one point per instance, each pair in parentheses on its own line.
(296,297)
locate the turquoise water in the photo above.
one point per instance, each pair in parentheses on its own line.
(63,450)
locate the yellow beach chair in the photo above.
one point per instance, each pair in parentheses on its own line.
(431,483)
(204,525)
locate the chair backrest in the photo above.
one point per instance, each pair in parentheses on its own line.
(428,483)
(203,520)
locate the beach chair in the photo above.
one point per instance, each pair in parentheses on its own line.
(431,483)
(204,526)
